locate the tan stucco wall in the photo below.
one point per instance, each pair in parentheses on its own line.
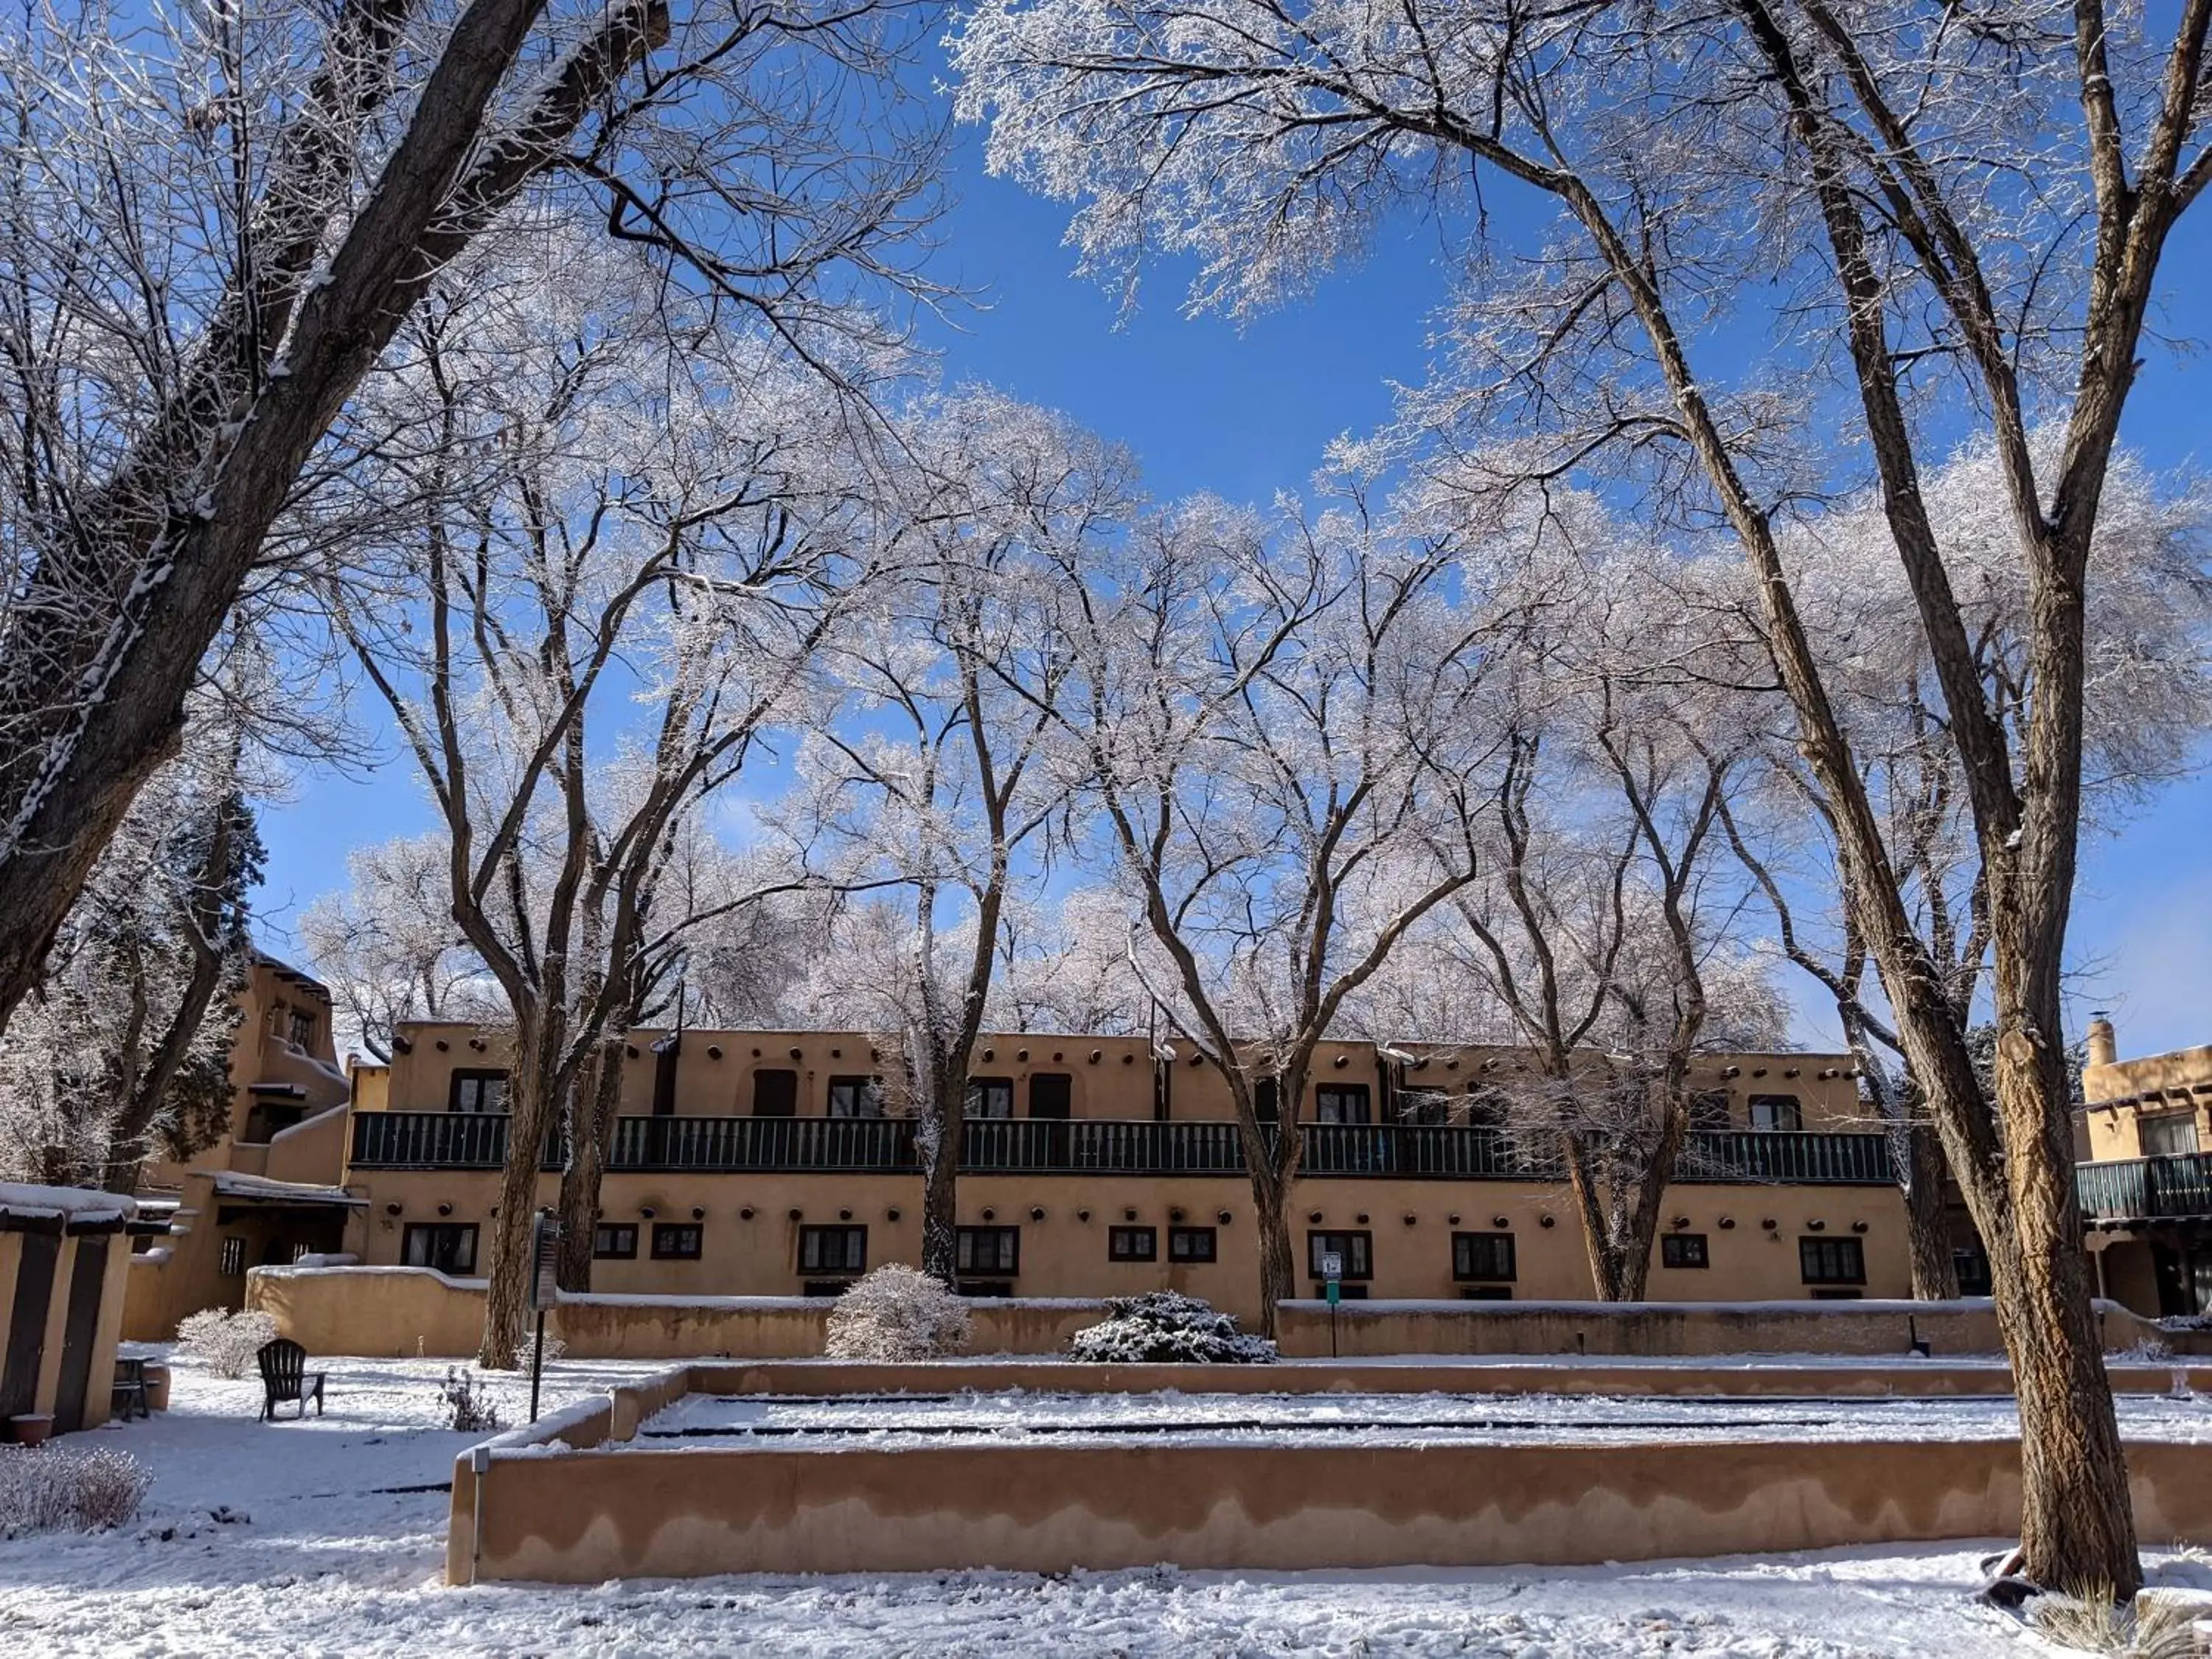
(402,1311)
(312,1151)
(1065,1252)
(97,1398)
(1109,1077)
(629,1512)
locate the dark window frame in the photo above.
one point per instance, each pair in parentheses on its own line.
(1711,1112)
(230,1258)
(972,1100)
(1775,1106)
(1349,1094)
(462,1232)
(1181,1239)
(668,1235)
(1358,1251)
(790,1081)
(1686,1251)
(605,1237)
(1467,1269)
(1005,1258)
(479,1075)
(864,1092)
(2162,1125)
(1824,1260)
(1123,1243)
(824,1265)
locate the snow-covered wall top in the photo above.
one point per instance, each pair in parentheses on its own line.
(81,1205)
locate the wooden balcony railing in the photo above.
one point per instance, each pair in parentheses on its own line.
(2146,1188)
(451,1140)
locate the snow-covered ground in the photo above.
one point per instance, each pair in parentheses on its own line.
(328,1538)
(1371,1419)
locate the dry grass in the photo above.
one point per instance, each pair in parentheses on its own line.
(2153,1626)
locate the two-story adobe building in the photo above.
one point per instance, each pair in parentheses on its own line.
(770,1162)
(2146,1183)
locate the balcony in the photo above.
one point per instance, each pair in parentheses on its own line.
(449,1141)
(2146,1188)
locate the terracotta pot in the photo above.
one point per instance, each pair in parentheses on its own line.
(32,1429)
(157,1388)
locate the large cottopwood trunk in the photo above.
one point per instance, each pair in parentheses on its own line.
(591,1142)
(506,1295)
(943,1130)
(1271,1198)
(1927,1215)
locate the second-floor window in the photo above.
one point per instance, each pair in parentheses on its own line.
(1708,1111)
(477,1089)
(1342,1102)
(1777,1112)
(856,1096)
(2168,1134)
(990,1096)
(987,1249)
(833,1249)
(303,1028)
(775,1093)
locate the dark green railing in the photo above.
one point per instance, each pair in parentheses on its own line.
(453,1141)
(2146,1188)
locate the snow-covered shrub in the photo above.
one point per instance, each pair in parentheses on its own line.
(469,1404)
(2152,1626)
(226,1343)
(58,1487)
(898,1313)
(1166,1327)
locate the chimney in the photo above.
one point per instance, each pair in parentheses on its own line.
(2104,1046)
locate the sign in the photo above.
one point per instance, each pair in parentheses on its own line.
(544,1262)
(1332,1269)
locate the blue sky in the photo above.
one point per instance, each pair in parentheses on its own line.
(1243,413)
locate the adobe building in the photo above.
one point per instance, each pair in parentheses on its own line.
(2146,1186)
(265,1193)
(769,1164)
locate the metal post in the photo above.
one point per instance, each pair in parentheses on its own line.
(537,1363)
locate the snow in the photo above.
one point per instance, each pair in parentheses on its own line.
(76,1204)
(877,1422)
(232,1185)
(326,1537)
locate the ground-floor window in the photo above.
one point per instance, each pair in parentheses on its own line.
(1354,1251)
(1972,1267)
(1192,1245)
(1832,1261)
(1132,1244)
(615,1241)
(1482,1255)
(450,1247)
(1684,1250)
(677,1241)
(231,1258)
(987,1249)
(833,1249)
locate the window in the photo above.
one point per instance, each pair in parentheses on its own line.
(1342,1102)
(1832,1261)
(775,1093)
(474,1089)
(2169,1134)
(1708,1112)
(1191,1244)
(833,1249)
(1267,1098)
(1684,1250)
(1052,1095)
(1485,1292)
(1356,1248)
(450,1247)
(303,1028)
(1482,1255)
(990,1096)
(1424,1106)
(984,1287)
(233,1261)
(1775,1112)
(615,1241)
(1132,1244)
(1972,1266)
(987,1250)
(856,1096)
(677,1241)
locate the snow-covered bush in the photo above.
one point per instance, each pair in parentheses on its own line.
(469,1404)
(898,1313)
(226,1343)
(58,1487)
(1166,1327)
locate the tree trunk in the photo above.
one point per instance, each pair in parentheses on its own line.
(506,1295)
(591,1142)
(1279,1273)
(943,1128)
(1927,1214)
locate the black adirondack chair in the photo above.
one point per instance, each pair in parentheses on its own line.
(285,1375)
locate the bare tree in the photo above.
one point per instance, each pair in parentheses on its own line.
(1282,741)
(1961,220)
(214,221)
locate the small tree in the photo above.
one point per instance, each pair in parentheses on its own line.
(896,1313)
